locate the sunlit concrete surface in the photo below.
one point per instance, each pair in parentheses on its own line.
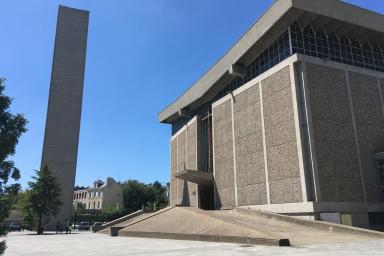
(87,243)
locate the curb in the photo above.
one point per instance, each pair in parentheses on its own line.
(207,238)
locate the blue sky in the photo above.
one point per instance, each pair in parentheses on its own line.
(142,54)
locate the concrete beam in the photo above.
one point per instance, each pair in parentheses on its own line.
(237,70)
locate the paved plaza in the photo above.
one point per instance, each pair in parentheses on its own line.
(87,243)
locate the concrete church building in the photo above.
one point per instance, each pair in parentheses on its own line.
(64,106)
(289,120)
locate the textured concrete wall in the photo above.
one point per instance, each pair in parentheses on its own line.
(182,190)
(381,81)
(223,155)
(370,128)
(192,161)
(184,155)
(280,145)
(173,180)
(283,162)
(65,101)
(250,171)
(333,136)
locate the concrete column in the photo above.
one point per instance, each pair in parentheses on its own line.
(295,104)
(309,130)
(264,143)
(234,152)
(380,89)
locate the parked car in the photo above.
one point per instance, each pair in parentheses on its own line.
(84,225)
(97,224)
(14,226)
(76,226)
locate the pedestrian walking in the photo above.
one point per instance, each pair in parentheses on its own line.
(58,227)
(67,230)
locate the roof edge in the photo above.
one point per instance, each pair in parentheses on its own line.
(334,9)
(251,36)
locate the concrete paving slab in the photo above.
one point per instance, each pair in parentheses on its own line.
(88,243)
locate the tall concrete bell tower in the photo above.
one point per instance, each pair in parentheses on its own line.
(62,128)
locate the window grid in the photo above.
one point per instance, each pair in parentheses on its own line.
(309,40)
(378,58)
(357,54)
(368,56)
(334,48)
(322,44)
(342,50)
(346,51)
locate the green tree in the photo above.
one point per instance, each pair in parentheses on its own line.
(160,194)
(79,207)
(21,203)
(11,128)
(136,194)
(44,199)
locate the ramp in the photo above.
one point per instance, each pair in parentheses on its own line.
(241,226)
(192,224)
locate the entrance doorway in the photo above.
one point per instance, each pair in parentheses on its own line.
(206,197)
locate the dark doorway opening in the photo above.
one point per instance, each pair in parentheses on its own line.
(206,197)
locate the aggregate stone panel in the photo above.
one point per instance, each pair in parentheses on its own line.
(246,98)
(250,168)
(192,161)
(249,144)
(282,161)
(333,134)
(181,165)
(224,174)
(285,191)
(64,105)
(370,128)
(276,82)
(222,123)
(247,121)
(223,154)
(281,134)
(227,197)
(341,165)
(278,107)
(192,147)
(192,194)
(253,194)
(382,92)
(173,194)
(329,193)
(280,138)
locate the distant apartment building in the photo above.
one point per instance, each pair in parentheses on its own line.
(102,195)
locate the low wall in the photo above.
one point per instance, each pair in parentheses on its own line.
(116,221)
